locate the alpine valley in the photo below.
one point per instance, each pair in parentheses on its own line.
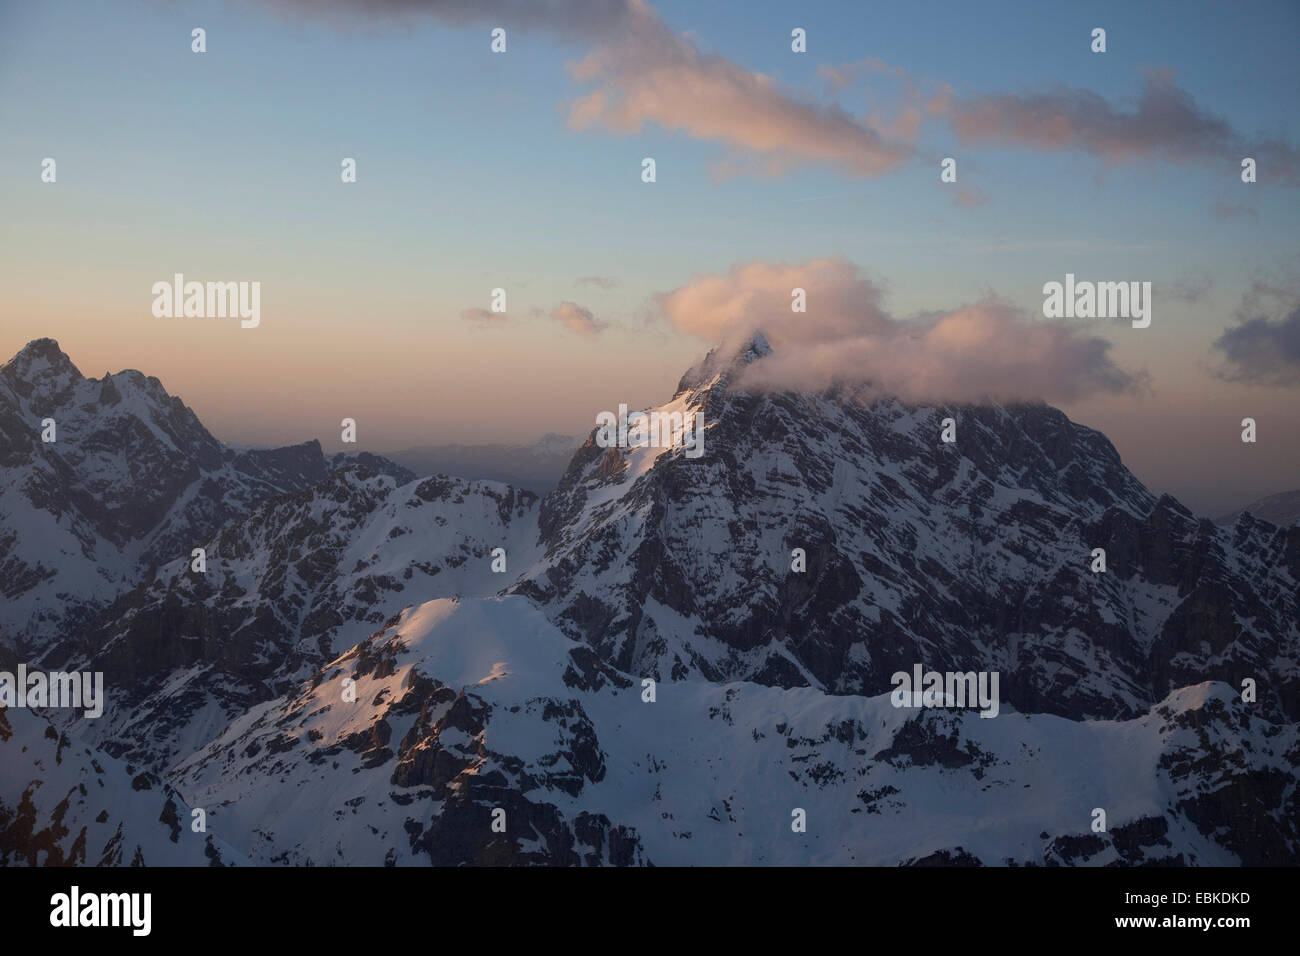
(353,679)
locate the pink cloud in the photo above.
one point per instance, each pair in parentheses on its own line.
(575,317)
(1166,124)
(482,316)
(641,70)
(971,353)
(652,74)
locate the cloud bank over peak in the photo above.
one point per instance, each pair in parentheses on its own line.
(986,350)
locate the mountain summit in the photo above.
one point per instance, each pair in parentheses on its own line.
(725,361)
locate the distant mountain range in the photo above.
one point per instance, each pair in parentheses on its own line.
(1281,509)
(663,660)
(536,467)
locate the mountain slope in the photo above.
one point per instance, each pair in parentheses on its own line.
(285,589)
(462,708)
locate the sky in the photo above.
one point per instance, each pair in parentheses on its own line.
(522,171)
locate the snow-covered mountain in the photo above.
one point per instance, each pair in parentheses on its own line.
(369,666)
(463,707)
(285,590)
(103,479)
(975,554)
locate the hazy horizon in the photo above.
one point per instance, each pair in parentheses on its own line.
(330,444)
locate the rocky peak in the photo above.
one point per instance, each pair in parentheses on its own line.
(724,361)
(38,353)
(41,374)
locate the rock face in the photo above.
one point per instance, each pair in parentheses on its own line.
(377,668)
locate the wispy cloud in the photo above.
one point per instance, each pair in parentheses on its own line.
(638,70)
(970,198)
(1189,288)
(641,70)
(579,18)
(1223,211)
(1166,124)
(652,74)
(842,75)
(600,282)
(1263,348)
(578,319)
(482,316)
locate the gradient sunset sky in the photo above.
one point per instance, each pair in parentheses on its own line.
(523,171)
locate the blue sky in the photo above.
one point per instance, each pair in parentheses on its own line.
(470,178)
